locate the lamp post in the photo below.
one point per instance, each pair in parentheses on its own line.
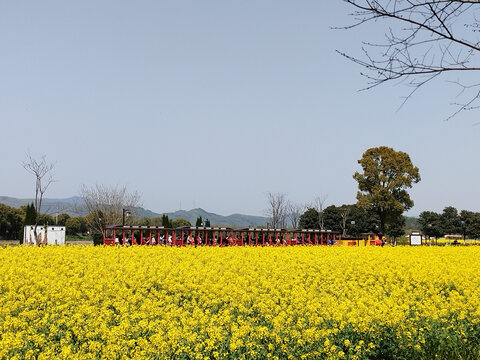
(463,230)
(125,212)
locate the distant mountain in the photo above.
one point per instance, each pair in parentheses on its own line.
(74,207)
(412,223)
(237,220)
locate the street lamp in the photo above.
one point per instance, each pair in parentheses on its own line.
(125,212)
(463,230)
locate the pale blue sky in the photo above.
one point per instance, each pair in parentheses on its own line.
(212,104)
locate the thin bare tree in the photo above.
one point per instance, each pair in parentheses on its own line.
(276,211)
(344,212)
(425,39)
(293,212)
(106,205)
(319,205)
(44,177)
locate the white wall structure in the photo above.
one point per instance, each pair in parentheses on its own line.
(49,235)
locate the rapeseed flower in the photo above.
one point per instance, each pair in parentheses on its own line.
(84,302)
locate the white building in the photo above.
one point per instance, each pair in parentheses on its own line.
(52,235)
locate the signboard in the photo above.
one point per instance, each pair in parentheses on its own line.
(415,238)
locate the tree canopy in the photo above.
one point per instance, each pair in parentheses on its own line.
(309,219)
(383,184)
(106,205)
(11,222)
(180,222)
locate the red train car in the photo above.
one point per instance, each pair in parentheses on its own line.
(216,236)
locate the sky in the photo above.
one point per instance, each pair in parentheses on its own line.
(213,104)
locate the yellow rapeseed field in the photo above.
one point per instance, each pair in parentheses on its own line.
(85,302)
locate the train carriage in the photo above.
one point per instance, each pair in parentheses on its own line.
(216,236)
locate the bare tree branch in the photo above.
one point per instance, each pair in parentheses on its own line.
(105,205)
(44,177)
(426,38)
(319,205)
(294,211)
(345,211)
(276,211)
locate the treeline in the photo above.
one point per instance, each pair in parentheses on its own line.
(13,220)
(450,222)
(172,223)
(349,220)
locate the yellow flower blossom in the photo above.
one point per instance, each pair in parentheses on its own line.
(83,302)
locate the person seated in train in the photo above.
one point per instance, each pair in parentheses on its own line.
(161,239)
(153,241)
(299,240)
(169,239)
(199,240)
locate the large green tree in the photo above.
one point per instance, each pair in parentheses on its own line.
(450,221)
(332,218)
(11,222)
(470,224)
(61,219)
(396,228)
(309,219)
(430,224)
(73,226)
(383,184)
(30,214)
(166,221)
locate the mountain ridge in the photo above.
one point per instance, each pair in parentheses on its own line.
(74,207)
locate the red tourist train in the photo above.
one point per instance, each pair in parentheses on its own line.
(216,236)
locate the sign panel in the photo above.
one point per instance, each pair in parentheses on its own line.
(415,239)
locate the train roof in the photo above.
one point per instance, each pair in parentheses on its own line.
(203,228)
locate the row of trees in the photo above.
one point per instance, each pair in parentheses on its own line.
(12,221)
(382,198)
(349,220)
(282,212)
(167,222)
(450,222)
